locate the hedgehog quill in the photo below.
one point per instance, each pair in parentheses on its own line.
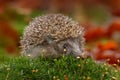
(53,35)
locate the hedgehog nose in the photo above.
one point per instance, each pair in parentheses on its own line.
(84,55)
(80,54)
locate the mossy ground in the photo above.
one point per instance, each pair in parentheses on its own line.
(64,68)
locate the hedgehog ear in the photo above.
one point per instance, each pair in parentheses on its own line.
(49,39)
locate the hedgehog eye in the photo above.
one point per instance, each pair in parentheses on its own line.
(65,46)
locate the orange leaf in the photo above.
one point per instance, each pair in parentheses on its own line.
(94,34)
(7,31)
(115,26)
(110,45)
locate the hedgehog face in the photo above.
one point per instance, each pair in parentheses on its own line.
(71,46)
(56,49)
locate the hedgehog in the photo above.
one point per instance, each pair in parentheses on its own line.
(52,35)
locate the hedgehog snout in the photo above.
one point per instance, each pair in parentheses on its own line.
(77,53)
(71,46)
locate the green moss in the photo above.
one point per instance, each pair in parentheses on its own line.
(22,68)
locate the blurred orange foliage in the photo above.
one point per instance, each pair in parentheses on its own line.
(94,33)
(107,51)
(8,31)
(115,26)
(9,36)
(110,45)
